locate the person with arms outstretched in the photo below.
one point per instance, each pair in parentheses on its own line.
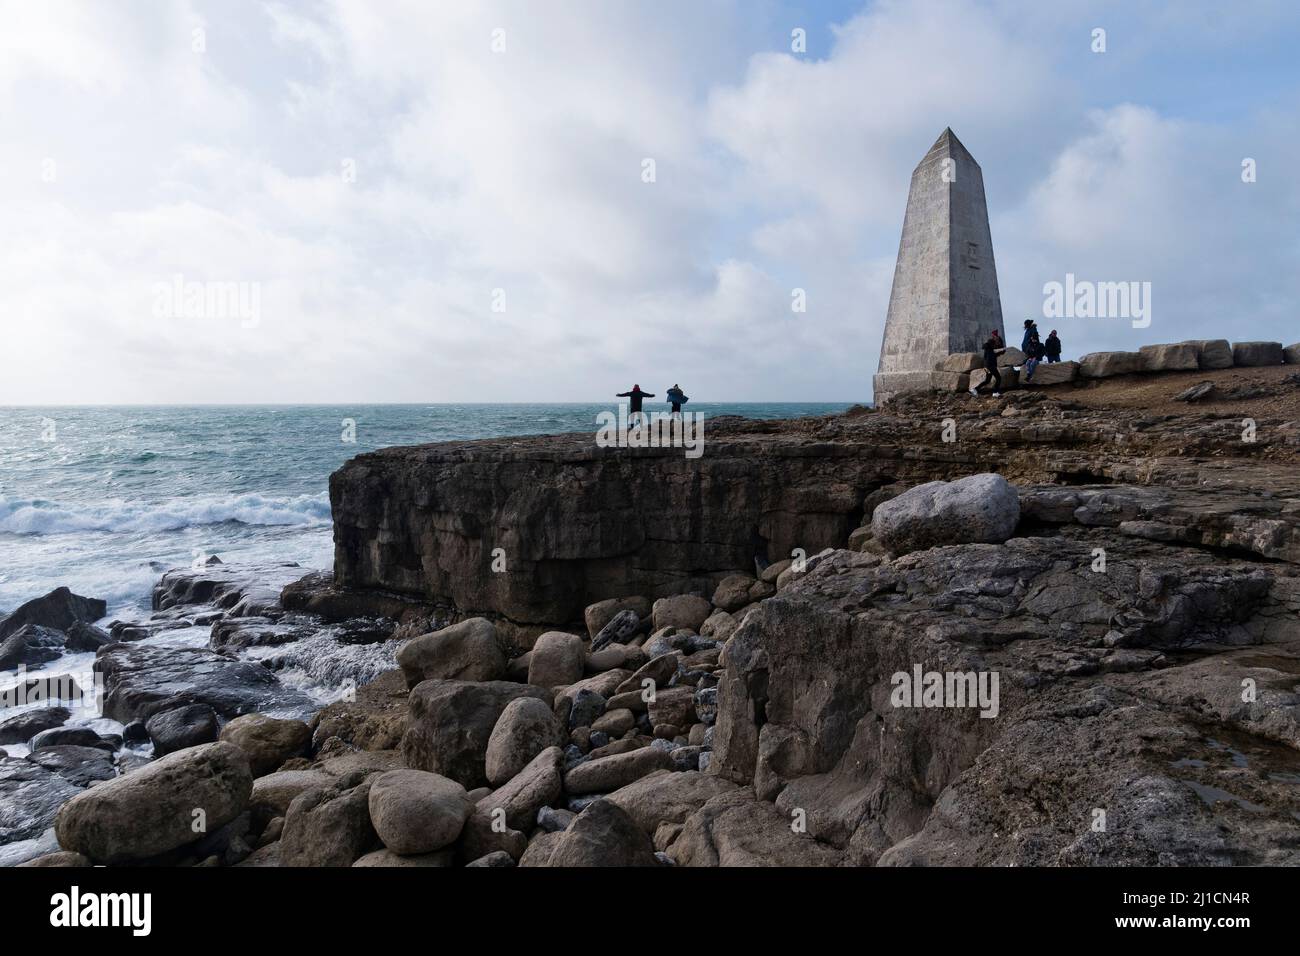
(634,405)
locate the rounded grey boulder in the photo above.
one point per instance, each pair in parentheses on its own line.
(982,508)
(525,728)
(160,807)
(416,812)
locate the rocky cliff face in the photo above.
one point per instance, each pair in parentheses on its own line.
(576,523)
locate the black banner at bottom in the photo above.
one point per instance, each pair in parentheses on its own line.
(201,905)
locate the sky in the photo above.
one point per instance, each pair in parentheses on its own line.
(402,201)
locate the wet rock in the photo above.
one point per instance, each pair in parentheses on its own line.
(23,727)
(69,736)
(182,727)
(140,680)
(30,796)
(30,646)
(81,766)
(154,809)
(59,610)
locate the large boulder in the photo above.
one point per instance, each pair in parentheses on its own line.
(558,659)
(30,796)
(1291,354)
(78,765)
(31,645)
(59,609)
(525,728)
(328,826)
(1256,353)
(451,723)
(603,835)
(158,808)
(417,812)
(733,592)
(468,651)
(182,727)
(1213,353)
(963,362)
(597,615)
(1174,357)
(273,793)
(735,829)
(1109,364)
(535,786)
(610,773)
(668,797)
(1052,373)
(142,679)
(684,611)
(619,628)
(267,741)
(980,508)
(23,727)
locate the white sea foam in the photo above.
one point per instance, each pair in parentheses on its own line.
(42,517)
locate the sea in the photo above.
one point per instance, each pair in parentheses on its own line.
(105,499)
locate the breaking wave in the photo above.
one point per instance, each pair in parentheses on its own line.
(36,517)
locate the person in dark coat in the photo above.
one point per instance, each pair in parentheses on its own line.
(675,397)
(1033,353)
(635,396)
(993,347)
(1031,330)
(1052,347)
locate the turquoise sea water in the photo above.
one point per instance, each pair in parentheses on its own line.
(104,499)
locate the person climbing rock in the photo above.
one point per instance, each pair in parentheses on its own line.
(992,349)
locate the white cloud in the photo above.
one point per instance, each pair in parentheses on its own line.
(521,170)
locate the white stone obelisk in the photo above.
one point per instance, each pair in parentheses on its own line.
(945,293)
